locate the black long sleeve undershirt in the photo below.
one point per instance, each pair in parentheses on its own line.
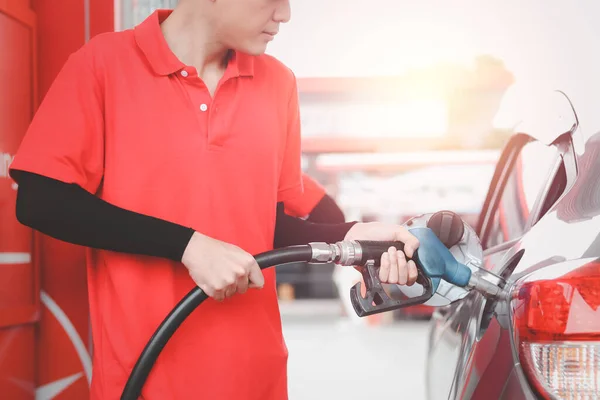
(327,211)
(69,213)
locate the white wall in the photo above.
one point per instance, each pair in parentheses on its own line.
(357,37)
(545,43)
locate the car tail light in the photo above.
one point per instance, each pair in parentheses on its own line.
(557,331)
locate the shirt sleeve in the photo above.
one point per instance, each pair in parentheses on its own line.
(69,213)
(290,178)
(304,204)
(291,231)
(327,211)
(65,140)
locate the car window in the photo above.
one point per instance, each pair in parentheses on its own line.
(528,176)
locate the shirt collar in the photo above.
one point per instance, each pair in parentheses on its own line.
(152,43)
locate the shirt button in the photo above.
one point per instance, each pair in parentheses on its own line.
(203,107)
(184,74)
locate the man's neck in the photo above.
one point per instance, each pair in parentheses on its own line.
(190,38)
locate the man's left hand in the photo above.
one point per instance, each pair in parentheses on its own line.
(395,268)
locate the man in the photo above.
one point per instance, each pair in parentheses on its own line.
(314,204)
(168,151)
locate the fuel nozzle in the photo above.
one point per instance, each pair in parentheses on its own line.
(483,282)
(432,258)
(435,264)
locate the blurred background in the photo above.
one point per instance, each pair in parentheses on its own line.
(405,107)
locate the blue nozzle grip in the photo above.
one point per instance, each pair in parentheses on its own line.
(433,260)
(437,261)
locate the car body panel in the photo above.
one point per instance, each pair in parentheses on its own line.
(470,354)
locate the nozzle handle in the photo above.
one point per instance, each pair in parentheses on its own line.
(376,300)
(373,250)
(433,260)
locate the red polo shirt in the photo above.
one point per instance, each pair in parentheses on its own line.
(303,204)
(128,121)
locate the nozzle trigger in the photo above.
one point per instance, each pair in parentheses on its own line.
(376,300)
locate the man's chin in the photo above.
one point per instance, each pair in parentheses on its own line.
(255,49)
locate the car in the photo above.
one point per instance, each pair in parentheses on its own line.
(540,232)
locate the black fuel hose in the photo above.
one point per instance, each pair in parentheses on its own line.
(193,299)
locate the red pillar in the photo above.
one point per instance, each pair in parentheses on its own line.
(19,281)
(64,345)
(43,302)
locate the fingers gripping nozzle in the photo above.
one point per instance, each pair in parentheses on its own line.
(366,255)
(376,300)
(433,260)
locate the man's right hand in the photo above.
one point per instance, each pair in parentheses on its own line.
(220,269)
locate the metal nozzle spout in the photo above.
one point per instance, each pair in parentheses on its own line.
(487,288)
